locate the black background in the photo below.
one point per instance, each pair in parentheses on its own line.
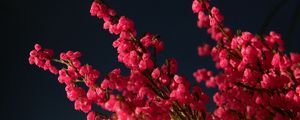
(30,93)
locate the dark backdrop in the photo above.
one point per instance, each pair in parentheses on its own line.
(33,94)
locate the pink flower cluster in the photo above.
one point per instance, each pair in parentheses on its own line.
(258,80)
(149,92)
(42,58)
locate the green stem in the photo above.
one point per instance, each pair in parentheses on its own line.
(59,61)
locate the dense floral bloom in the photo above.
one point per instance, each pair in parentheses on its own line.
(42,58)
(257,79)
(257,76)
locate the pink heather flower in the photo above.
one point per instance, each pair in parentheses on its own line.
(112,28)
(234,43)
(178,79)
(296,73)
(223,54)
(290,95)
(242,65)
(204,50)
(127,35)
(101,10)
(211,83)
(91,94)
(92,116)
(101,95)
(84,70)
(285,63)
(295,57)
(149,63)
(147,40)
(69,54)
(180,94)
(142,93)
(258,100)
(234,63)
(274,41)
(94,9)
(159,46)
(37,47)
(276,60)
(202,74)
(247,36)
(83,104)
(164,79)
(133,60)
(256,42)
(53,70)
(63,76)
(216,17)
(42,58)
(143,65)
(249,54)
(297,99)
(181,88)
(110,103)
(125,24)
(250,110)
(203,20)
(75,55)
(48,52)
(105,84)
(73,92)
(223,63)
(266,82)
(196,6)
(216,34)
(215,11)
(33,53)
(247,73)
(90,75)
(63,56)
(298,89)
(216,14)
(215,53)
(219,99)
(76,63)
(156,73)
